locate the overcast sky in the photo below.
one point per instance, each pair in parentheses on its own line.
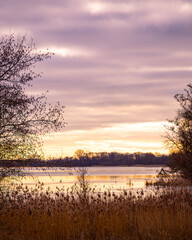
(117,66)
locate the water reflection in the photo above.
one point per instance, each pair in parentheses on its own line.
(114,178)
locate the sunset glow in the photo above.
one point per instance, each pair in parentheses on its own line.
(95,7)
(136,137)
(116,68)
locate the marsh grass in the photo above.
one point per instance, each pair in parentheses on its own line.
(171,181)
(74,215)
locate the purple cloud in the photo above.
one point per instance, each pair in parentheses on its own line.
(116,62)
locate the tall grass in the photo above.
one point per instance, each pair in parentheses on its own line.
(74,215)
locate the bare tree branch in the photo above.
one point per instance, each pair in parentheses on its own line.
(178,137)
(23,118)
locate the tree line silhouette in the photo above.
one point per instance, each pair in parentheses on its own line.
(94,159)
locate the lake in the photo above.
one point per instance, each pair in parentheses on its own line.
(114,178)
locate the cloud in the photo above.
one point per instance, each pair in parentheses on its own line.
(115,61)
(118,137)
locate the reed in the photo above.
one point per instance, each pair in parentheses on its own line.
(169,182)
(71,215)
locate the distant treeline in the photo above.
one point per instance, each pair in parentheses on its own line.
(82,158)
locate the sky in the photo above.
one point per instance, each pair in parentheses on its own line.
(116,68)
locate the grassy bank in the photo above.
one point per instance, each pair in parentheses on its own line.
(75,215)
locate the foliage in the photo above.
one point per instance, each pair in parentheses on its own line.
(115,158)
(179,135)
(78,154)
(96,159)
(23,118)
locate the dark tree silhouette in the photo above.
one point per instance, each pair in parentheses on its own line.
(178,137)
(23,118)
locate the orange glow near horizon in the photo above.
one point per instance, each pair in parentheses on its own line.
(138,137)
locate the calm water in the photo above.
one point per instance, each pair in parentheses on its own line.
(115,178)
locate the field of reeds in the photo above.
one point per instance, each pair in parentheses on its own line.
(170,182)
(81,214)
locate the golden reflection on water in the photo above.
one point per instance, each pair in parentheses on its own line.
(117,182)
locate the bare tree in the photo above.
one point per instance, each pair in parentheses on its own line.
(178,137)
(23,118)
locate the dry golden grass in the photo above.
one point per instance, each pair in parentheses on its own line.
(169,182)
(75,215)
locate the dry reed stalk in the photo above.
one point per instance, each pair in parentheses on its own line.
(64,215)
